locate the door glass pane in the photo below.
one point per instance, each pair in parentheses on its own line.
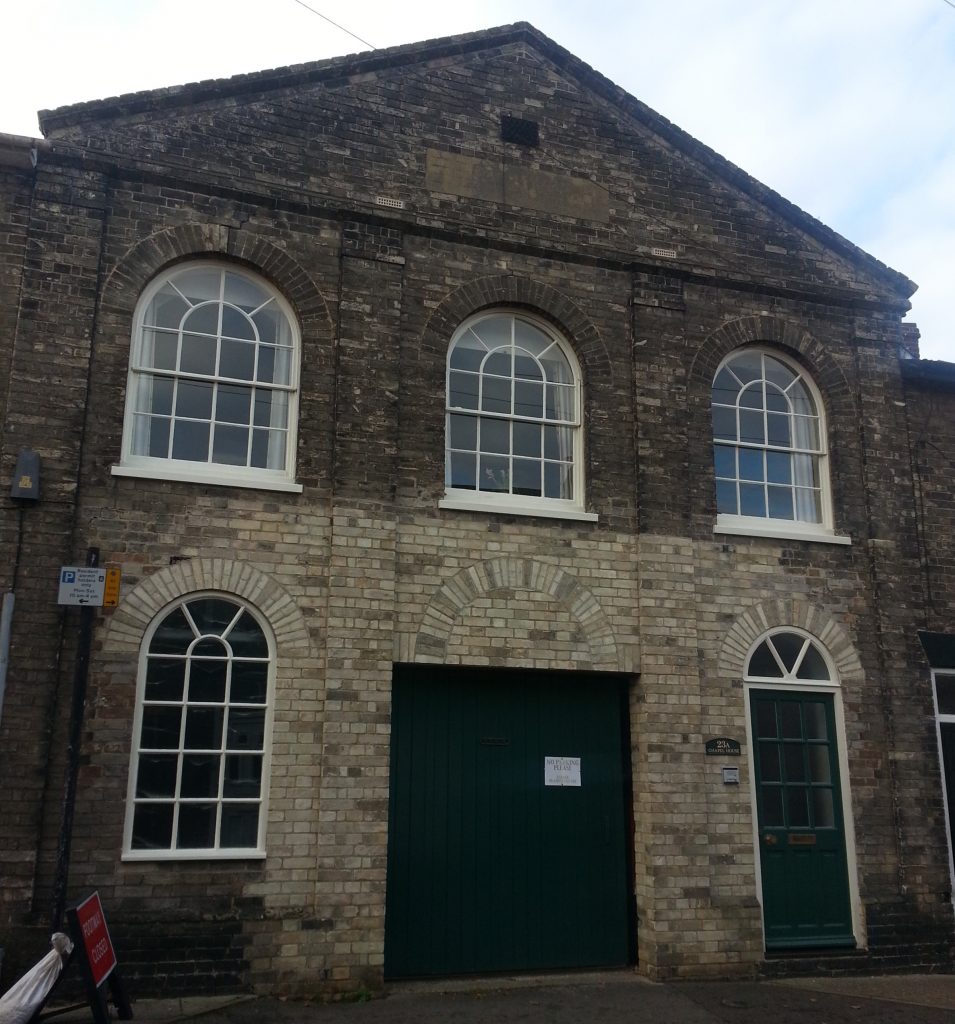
(819,763)
(790,720)
(823,811)
(815,720)
(797,806)
(795,763)
(766,719)
(769,762)
(772,801)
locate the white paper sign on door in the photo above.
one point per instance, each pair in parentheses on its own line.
(561,771)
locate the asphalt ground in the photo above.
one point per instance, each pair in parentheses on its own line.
(598,999)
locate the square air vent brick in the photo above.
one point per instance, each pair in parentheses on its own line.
(520,131)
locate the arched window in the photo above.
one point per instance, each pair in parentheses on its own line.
(199,770)
(213,379)
(769,451)
(789,656)
(513,441)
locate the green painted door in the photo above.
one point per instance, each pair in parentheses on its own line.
(801,831)
(497,859)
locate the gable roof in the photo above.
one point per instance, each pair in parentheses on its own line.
(339,70)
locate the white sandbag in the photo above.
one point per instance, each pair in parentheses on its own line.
(21,1002)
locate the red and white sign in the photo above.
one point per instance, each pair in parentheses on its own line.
(96,940)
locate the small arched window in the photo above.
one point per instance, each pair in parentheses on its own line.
(199,770)
(790,656)
(213,380)
(769,449)
(513,439)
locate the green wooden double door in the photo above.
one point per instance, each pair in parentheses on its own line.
(802,843)
(509,822)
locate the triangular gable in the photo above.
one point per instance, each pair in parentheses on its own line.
(839,262)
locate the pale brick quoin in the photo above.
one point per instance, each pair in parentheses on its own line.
(537,541)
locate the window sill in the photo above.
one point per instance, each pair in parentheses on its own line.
(167,855)
(740,526)
(208,475)
(509,507)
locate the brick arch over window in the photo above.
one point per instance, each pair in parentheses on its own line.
(484,578)
(138,608)
(142,261)
(760,618)
(770,331)
(509,290)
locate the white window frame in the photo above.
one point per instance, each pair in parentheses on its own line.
(207,472)
(948,799)
(198,853)
(464,499)
(768,526)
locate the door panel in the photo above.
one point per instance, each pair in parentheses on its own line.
(805,882)
(490,869)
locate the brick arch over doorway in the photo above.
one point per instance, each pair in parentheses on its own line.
(491,576)
(760,618)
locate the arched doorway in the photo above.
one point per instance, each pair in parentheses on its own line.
(792,691)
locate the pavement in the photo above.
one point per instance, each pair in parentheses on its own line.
(599,998)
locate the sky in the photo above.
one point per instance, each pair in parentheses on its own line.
(845,107)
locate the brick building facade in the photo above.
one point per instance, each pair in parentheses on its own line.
(391,384)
